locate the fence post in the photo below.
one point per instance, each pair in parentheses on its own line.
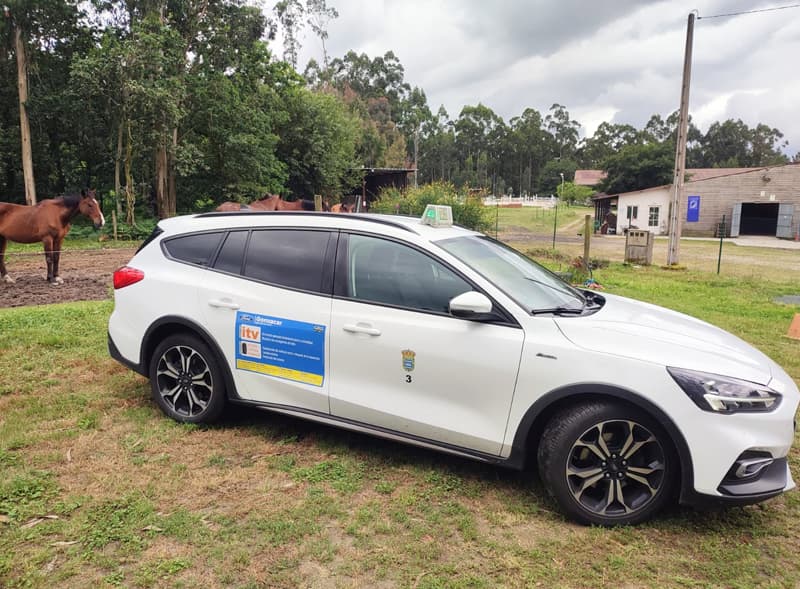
(587,237)
(721,235)
(555,223)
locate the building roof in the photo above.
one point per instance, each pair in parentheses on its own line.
(603,195)
(697,174)
(593,177)
(588,177)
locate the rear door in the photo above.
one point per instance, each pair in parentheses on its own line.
(401,362)
(267,301)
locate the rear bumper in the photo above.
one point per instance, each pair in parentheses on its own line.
(115,353)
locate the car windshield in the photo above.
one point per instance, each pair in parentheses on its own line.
(532,286)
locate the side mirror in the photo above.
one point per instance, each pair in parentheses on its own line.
(471,305)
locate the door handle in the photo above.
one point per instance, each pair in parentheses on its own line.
(223,304)
(361,328)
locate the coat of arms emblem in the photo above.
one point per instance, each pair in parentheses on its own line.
(408,360)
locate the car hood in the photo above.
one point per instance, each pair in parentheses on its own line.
(633,329)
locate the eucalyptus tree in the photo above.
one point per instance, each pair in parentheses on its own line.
(319,15)
(438,157)
(607,140)
(480,134)
(563,128)
(531,146)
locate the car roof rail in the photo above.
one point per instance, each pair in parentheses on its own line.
(359,216)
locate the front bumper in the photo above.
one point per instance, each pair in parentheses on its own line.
(771,482)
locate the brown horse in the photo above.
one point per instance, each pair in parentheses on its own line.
(48,222)
(344,208)
(272,202)
(268,203)
(296,205)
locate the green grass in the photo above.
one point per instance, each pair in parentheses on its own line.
(133,499)
(537,220)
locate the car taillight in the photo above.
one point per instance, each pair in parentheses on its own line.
(126,276)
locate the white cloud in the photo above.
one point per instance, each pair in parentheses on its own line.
(606,60)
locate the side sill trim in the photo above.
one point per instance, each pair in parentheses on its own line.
(378,431)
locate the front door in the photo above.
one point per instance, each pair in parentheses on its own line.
(401,362)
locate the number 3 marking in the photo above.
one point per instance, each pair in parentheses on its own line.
(408,378)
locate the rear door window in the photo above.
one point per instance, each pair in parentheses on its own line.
(291,258)
(231,254)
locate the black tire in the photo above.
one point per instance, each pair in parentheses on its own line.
(607,463)
(186,380)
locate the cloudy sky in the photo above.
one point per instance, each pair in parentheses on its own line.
(605,60)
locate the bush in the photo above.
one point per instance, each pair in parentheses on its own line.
(468,210)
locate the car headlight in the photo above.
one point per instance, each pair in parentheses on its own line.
(723,394)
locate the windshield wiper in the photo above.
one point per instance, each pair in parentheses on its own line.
(559,311)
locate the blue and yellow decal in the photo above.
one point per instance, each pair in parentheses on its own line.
(408,360)
(292,350)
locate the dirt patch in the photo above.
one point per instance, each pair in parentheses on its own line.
(86,273)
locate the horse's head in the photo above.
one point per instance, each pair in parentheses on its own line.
(89,207)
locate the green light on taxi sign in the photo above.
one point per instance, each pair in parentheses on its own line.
(437,216)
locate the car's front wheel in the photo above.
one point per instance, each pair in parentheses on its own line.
(607,463)
(186,380)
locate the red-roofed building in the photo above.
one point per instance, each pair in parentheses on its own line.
(589,178)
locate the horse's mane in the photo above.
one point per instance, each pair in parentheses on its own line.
(71,201)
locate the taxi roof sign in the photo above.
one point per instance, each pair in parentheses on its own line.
(437,216)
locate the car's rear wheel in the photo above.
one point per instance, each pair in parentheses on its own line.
(186,380)
(607,463)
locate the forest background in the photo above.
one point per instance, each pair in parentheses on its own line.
(170,106)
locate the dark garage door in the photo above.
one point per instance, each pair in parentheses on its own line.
(759,218)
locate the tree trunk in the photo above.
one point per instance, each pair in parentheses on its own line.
(171,174)
(24,126)
(117,171)
(130,195)
(160,157)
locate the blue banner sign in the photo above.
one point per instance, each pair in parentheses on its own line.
(292,350)
(693,209)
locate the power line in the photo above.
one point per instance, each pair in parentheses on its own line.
(751,11)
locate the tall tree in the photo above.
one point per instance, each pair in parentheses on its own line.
(319,15)
(531,147)
(607,140)
(563,129)
(290,16)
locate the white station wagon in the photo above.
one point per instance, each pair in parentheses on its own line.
(431,334)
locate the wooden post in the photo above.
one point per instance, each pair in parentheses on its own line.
(587,238)
(317,202)
(114,222)
(24,124)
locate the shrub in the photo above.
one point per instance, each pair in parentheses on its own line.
(468,210)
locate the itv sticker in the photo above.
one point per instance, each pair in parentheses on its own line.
(283,348)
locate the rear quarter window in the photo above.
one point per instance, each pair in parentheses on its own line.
(193,249)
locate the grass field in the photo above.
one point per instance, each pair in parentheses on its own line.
(97,488)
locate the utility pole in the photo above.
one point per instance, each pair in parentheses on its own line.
(680,151)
